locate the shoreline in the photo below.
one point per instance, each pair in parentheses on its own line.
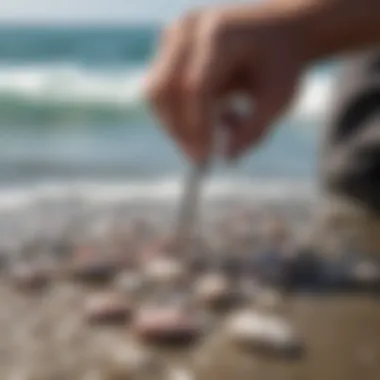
(46,333)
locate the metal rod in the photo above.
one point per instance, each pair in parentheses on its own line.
(189,203)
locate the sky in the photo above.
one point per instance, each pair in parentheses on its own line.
(96,10)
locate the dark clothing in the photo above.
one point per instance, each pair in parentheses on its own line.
(350,165)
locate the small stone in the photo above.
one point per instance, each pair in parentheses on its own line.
(28,278)
(366,272)
(129,282)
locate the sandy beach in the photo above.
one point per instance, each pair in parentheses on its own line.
(46,287)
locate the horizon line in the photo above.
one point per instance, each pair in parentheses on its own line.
(82,23)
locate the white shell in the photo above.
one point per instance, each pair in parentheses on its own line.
(262,328)
(366,271)
(180,374)
(212,284)
(99,302)
(164,270)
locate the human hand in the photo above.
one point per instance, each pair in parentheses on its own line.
(209,55)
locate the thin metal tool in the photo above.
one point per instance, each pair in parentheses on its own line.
(189,204)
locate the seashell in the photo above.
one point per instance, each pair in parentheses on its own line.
(366,272)
(164,270)
(265,332)
(365,276)
(93,270)
(107,308)
(167,325)
(214,291)
(175,373)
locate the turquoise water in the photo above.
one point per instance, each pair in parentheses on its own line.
(71,109)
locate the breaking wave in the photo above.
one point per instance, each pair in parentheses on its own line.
(69,93)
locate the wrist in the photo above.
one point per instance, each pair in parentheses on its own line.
(292,25)
(326,28)
(307,23)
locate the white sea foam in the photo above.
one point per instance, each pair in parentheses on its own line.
(70,83)
(121,89)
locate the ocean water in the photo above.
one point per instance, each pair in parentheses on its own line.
(73,116)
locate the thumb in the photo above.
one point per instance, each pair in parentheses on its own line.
(268,101)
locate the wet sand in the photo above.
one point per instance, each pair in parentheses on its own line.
(46,337)
(45,334)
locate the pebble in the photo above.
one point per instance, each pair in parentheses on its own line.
(176,373)
(129,282)
(27,278)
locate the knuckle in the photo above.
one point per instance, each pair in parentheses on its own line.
(214,27)
(169,33)
(194,85)
(191,18)
(179,26)
(157,92)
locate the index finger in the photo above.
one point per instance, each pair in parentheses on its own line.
(205,70)
(165,81)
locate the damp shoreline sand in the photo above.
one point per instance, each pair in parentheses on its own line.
(45,335)
(48,339)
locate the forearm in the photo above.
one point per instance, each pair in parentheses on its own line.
(321,28)
(333,27)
